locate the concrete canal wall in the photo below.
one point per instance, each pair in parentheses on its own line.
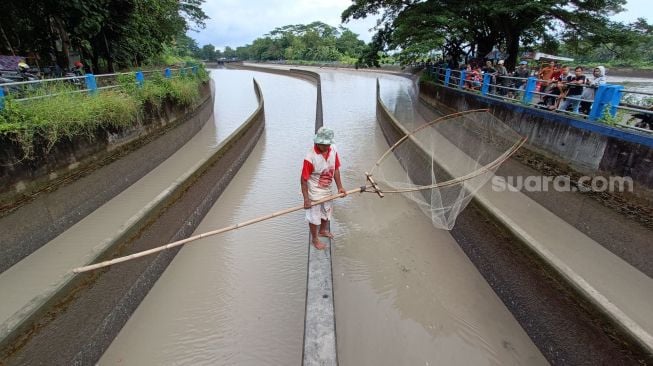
(581,147)
(41,198)
(49,328)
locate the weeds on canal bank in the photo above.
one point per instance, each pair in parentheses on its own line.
(62,111)
(182,90)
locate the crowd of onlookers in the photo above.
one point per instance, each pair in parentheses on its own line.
(558,86)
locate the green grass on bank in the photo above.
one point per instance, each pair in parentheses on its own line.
(65,113)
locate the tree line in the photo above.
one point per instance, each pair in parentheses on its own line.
(461,30)
(316,41)
(104,34)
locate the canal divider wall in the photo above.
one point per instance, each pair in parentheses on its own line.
(320,345)
(617,291)
(80,175)
(578,146)
(76,322)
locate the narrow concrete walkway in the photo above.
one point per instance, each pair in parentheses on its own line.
(320,324)
(30,283)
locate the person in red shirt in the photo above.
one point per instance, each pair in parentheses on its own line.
(321,168)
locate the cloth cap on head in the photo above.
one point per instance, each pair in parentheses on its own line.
(500,62)
(78,64)
(523,63)
(324,136)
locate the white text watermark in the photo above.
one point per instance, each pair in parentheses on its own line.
(561,183)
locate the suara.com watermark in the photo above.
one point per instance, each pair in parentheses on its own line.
(561,183)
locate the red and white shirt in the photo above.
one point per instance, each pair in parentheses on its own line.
(319,169)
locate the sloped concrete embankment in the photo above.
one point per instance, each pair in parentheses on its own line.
(576,146)
(42,198)
(75,323)
(579,303)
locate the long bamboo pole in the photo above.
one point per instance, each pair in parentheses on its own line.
(210,233)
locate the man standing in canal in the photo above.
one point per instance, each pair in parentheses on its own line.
(321,167)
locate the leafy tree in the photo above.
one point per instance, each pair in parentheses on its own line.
(185,46)
(316,41)
(229,52)
(348,43)
(109,33)
(208,52)
(474,28)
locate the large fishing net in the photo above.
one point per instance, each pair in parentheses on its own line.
(442,164)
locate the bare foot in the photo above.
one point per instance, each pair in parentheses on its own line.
(318,244)
(326,234)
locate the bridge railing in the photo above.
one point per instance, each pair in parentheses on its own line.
(22,91)
(605,103)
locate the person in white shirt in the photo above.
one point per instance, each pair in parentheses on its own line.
(321,168)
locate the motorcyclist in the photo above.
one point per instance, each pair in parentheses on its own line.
(79,68)
(23,72)
(23,67)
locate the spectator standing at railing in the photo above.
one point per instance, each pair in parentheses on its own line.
(598,78)
(552,100)
(490,69)
(557,70)
(564,74)
(560,73)
(574,90)
(502,80)
(522,72)
(546,72)
(477,77)
(468,75)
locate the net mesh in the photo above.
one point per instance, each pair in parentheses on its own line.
(441,165)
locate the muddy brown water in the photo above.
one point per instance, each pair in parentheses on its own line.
(405,293)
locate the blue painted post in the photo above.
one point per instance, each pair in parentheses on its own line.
(487,79)
(463,76)
(2,98)
(140,79)
(167,73)
(447,76)
(615,98)
(531,83)
(606,95)
(599,102)
(91,84)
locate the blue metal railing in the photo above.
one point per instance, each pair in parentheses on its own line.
(87,83)
(607,97)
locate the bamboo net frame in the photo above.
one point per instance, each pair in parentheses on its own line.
(372,187)
(484,169)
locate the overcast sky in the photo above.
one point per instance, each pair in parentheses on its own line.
(236,23)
